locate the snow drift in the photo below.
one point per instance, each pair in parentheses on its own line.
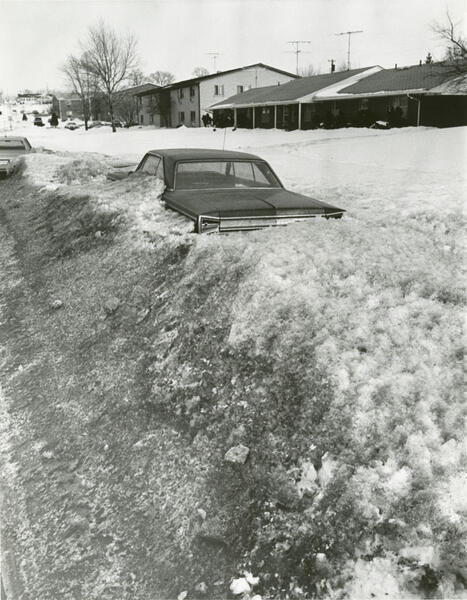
(332,350)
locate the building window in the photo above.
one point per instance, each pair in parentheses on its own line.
(192,92)
(192,116)
(218,90)
(180,93)
(363,103)
(181,117)
(151,119)
(240,89)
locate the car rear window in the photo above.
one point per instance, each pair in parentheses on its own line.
(12,145)
(228,174)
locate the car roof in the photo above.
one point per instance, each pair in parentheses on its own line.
(172,156)
(177,154)
(10,138)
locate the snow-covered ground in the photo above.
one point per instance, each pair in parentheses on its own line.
(383,174)
(376,299)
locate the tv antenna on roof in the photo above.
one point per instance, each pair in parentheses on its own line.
(297,51)
(349,33)
(214,56)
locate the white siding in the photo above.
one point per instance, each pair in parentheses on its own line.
(251,77)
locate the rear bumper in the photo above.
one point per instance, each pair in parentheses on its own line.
(210,224)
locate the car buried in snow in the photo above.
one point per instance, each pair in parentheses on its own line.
(223,190)
(11,148)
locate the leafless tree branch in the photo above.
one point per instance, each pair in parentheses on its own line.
(110,58)
(81,81)
(456,42)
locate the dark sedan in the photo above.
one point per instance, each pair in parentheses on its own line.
(223,190)
(11,148)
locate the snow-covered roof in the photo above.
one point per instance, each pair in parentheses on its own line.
(452,87)
(416,78)
(299,90)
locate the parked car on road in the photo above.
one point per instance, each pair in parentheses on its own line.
(38,121)
(223,190)
(72,125)
(10,148)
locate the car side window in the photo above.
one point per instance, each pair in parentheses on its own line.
(259,174)
(244,170)
(150,165)
(160,170)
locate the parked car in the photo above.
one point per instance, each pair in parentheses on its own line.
(72,125)
(38,121)
(223,190)
(93,124)
(380,125)
(10,148)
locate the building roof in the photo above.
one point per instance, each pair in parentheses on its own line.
(416,78)
(194,80)
(136,89)
(292,91)
(452,87)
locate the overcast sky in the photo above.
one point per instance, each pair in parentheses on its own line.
(177,35)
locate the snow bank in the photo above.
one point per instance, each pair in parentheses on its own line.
(336,344)
(83,174)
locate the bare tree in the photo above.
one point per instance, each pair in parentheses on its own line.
(110,58)
(309,70)
(200,72)
(137,77)
(81,81)
(456,49)
(160,103)
(161,78)
(342,66)
(125,108)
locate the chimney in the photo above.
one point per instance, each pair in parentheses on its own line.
(395,66)
(420,64)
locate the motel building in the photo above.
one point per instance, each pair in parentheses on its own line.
(425,94)
(185,102)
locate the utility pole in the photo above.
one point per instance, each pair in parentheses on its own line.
(297,51)
(214,56)
(349,33)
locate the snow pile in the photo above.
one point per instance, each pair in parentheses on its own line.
(334,350)
(138,197)
(82,170)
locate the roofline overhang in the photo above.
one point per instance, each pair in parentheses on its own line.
(314,99)
(446,93)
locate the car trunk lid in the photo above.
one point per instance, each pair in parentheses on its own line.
(242,208)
